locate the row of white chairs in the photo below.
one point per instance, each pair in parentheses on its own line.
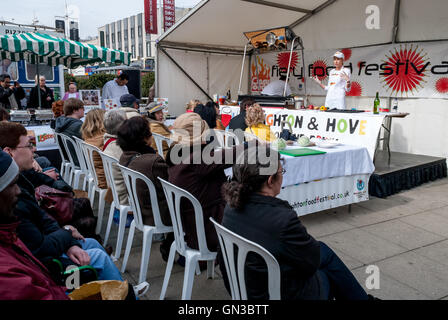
(174,194)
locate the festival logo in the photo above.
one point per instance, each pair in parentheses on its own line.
(319,69)
(262,79)
(283,60)
(406,71)
(360,185)
(442,85)
(347,53)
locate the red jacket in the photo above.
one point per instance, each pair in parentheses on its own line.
(22,276)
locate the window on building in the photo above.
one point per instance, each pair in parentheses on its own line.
(133,52)
(148,49)
(119,36)
(139,31)
(132,33)
(140,50)
(113,38)
(125,34)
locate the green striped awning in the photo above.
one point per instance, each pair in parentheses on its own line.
(47,49)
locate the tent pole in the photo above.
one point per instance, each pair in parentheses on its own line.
(38,83)
(289,65)
(242,68)
(396,20)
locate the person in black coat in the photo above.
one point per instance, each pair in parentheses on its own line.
(6,91)
(239,122)
(309,268)
(46,95)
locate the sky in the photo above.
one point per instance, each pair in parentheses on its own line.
(92,13)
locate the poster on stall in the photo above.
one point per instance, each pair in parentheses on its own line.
(90,97)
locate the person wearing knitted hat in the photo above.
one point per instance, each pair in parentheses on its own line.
(155,116)
(192,172)
(338,83)
(22,276)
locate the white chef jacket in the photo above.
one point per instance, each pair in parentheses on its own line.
(112,90)
(336,89)
(276,88)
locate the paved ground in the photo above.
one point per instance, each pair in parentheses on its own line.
(405,236)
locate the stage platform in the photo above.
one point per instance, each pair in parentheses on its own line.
(405,171)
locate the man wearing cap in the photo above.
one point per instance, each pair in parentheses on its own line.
(130,105)
(338,83)
(156,124)
(22,276)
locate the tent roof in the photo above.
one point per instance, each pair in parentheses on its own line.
(54,51)
(322,24)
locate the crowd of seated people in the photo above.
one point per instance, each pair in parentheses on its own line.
(246,205)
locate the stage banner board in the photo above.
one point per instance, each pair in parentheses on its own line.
(44,137)
(169,14)
(411,70)
(151,16)
(357,129)
(325,194)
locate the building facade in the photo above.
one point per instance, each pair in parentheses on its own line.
(129,35)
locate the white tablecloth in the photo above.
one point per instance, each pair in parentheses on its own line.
(339,161)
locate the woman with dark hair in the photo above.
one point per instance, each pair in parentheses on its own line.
(309,268)
(207,113)
(134,138)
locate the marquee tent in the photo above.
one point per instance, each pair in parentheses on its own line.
(201,55)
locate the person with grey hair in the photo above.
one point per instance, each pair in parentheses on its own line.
(113,119)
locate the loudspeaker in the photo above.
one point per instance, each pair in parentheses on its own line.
(134,83)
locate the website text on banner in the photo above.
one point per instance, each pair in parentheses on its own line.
(416,70)
(357,129)
(326,194)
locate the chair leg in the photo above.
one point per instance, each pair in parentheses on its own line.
(90,192)
(84,183)
(109,224)
(76,182)
(190,267)
(128,246)
(102,193)
(198,269)
(169,267)
(62,171)
(146,253)
(121,227)
(211,269)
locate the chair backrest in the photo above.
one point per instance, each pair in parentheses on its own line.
(88,151)
(174,196)
(235,271)
(81,156)
(130,178)
(69,143)
(108,165)
(159,143)
(58,138)
(226,139)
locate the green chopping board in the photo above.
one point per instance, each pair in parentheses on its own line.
(301,152)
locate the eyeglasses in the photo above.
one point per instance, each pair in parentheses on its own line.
(30,146)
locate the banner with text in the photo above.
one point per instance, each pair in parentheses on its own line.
(325,194)
(358,129)
(44,135)
(151,16)
(169,13)
(417,70)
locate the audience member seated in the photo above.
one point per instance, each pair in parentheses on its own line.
(4,114)
(191,105)
(70,123)
(113,119)
(93,131)
(255,123)
(203,179)
(72,92)
(130,105)
(41,233)
(134,138)
(58,110)
(22,276)
(156,124)
(309,268)
(207,113)
(239,121)
(219,125)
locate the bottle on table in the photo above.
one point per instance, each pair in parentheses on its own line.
(376,104)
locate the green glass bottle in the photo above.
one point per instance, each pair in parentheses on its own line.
(376,104)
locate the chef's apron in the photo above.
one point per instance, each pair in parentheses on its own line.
(336,89)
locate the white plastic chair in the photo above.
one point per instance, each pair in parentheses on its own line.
(88,151)
(82,164)
(108,163)
(192,256)
(66,165)
(159,143)
(75,172)
(235,271)
(227,139)
(131,177)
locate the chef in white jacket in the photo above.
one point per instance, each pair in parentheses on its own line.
(338,83)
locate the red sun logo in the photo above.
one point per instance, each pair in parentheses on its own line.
(442,85)
(408,67)
(319,69)
(283,60)
(355,90)
(347,53)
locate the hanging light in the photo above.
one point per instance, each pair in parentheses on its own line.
(271,39)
